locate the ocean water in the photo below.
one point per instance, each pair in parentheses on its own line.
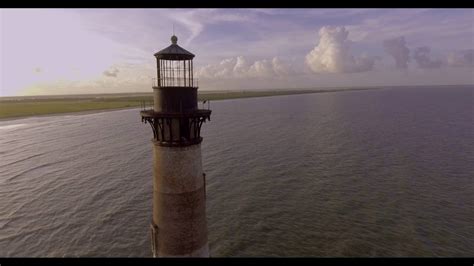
(386,172)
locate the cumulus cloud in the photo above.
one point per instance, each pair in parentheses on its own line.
(333,53)
(262,68)
(422,58)
(461,58)
(281,68)
(240,67)
(111,72)
(396,47)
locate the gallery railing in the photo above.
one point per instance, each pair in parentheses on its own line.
(175,82)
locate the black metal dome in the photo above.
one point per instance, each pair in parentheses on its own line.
(174,52)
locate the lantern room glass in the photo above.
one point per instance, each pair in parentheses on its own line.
(175,73)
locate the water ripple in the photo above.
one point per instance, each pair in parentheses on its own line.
(364,173)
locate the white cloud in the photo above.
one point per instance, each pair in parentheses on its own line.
(239,67)
(196,20)
(111,72)
(441,28)
(187,19)
(281,68)
(262,68)
(333,53)
(396,47)
(62,50)
(422,58)
(463,58)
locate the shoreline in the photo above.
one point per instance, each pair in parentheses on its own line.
(212,96)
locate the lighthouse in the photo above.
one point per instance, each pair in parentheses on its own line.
(178,226)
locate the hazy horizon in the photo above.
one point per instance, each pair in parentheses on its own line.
(102,51)
(242,90)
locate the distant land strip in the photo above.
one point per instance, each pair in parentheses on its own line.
(24,106)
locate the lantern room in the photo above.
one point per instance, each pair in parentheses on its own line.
(174,66)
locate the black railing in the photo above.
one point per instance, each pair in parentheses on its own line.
(204,104)
(175,82)
(149,105)
(146,105)
(176,129)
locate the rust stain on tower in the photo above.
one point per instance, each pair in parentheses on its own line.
(179,226)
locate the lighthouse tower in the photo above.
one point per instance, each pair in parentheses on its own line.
(178,227)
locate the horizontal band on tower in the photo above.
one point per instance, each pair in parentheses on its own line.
(177,143)
(194,113)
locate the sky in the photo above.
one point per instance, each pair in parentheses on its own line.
(82,51)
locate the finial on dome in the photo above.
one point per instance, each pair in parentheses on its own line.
(174,39)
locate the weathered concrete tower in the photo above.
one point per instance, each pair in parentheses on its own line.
(179,226)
